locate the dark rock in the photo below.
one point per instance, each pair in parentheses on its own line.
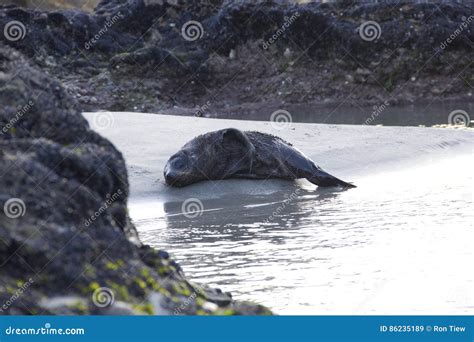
(66,241)
(139,47)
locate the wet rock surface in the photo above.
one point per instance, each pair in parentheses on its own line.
(67,245)
(229,57)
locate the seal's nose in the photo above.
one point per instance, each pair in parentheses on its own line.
(169,176)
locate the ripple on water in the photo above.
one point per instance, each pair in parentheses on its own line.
(406,232)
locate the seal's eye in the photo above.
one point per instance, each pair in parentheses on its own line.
(179,162)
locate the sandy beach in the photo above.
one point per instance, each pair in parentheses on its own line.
(349,151)
(321,251)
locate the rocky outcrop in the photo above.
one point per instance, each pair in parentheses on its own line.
(67,245)
(155,55)
(54,4)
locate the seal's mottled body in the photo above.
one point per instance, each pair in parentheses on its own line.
(231,153)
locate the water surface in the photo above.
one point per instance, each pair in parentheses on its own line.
(401,243)
(419,114)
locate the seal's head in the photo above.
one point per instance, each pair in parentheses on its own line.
(180,169)
(211,156)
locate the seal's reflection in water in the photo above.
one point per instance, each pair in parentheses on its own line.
(244,217)
(246,241)
(405,231)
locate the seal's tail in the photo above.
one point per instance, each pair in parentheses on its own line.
(324,179)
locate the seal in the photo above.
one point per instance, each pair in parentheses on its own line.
(232,153)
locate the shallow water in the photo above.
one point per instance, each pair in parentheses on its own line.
(401,243)
(429,114)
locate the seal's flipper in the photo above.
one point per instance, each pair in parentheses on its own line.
(232,135)
(236,143)
(322,178)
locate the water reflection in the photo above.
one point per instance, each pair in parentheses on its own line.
(428,114)
(398,243)
(244,216)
